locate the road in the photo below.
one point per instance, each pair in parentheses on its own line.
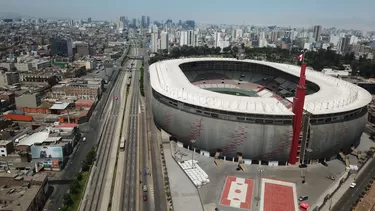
(130,185)
(60,183)
(351,195)
(108,121)
(157,174)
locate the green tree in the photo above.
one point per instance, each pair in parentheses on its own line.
(68,199)
(75,186)
(79,176)
(85,167)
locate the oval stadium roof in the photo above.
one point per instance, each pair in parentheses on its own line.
(334,96)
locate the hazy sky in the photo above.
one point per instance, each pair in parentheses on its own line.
(341,13)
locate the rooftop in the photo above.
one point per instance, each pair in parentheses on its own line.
(19,193)
(334,96)
(59,106)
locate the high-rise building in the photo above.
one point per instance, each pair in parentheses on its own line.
(148,21)
(120,26)
(134,22)
(122,18)
(317,32)
(164,41)
(239,33)
(61,47)
(88,20)
(183,38)
(143,22)
(191,38)
(154,42)
(190,24)
(343,45)
(217,39)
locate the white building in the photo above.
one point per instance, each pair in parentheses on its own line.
(239,33)
(334,39)
(164,41)
(217,39)
(191,38)
(183,38)
(154,42)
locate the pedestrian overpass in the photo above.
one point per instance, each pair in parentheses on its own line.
(136,57)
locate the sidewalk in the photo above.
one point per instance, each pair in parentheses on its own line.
(344,187)
(185,196)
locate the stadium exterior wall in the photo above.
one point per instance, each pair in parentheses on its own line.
(255,141)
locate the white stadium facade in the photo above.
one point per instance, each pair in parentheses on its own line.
(245,107)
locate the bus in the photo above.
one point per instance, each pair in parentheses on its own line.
(122,144)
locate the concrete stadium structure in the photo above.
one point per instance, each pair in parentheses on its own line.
(245,106)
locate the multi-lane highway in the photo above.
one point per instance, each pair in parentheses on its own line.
(130,184)
(97,183)
(351,195)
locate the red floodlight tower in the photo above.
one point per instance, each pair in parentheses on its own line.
(298,103)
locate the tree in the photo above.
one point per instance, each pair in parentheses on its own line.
(85,167)
(68,199)
(74,187)
(90,156)
(79,176)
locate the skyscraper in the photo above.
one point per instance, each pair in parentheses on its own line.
(183,38)
(164,41)
(217,39)
(143,22)
(190,38)
(89,20)
(148,21)
(154,42)
(317,32)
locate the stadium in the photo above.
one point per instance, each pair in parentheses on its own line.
(244,107)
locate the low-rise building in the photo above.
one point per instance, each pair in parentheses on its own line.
(80,89)
(7,65)
(28,100)
(8,78)
(20,191)
(6,147)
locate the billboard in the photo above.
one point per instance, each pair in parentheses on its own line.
(47,152)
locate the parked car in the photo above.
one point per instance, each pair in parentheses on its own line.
(303,198)
(353,185)
(331,177)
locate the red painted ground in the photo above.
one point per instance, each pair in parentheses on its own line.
(236,194)
(278,197)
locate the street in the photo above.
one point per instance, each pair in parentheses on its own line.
(157,173)
(352,194)
(91,132)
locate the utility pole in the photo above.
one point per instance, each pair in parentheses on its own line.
(192,154)
(257,198)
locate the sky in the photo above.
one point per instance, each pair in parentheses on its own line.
(357,14)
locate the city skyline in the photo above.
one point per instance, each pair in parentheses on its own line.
(355,15)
